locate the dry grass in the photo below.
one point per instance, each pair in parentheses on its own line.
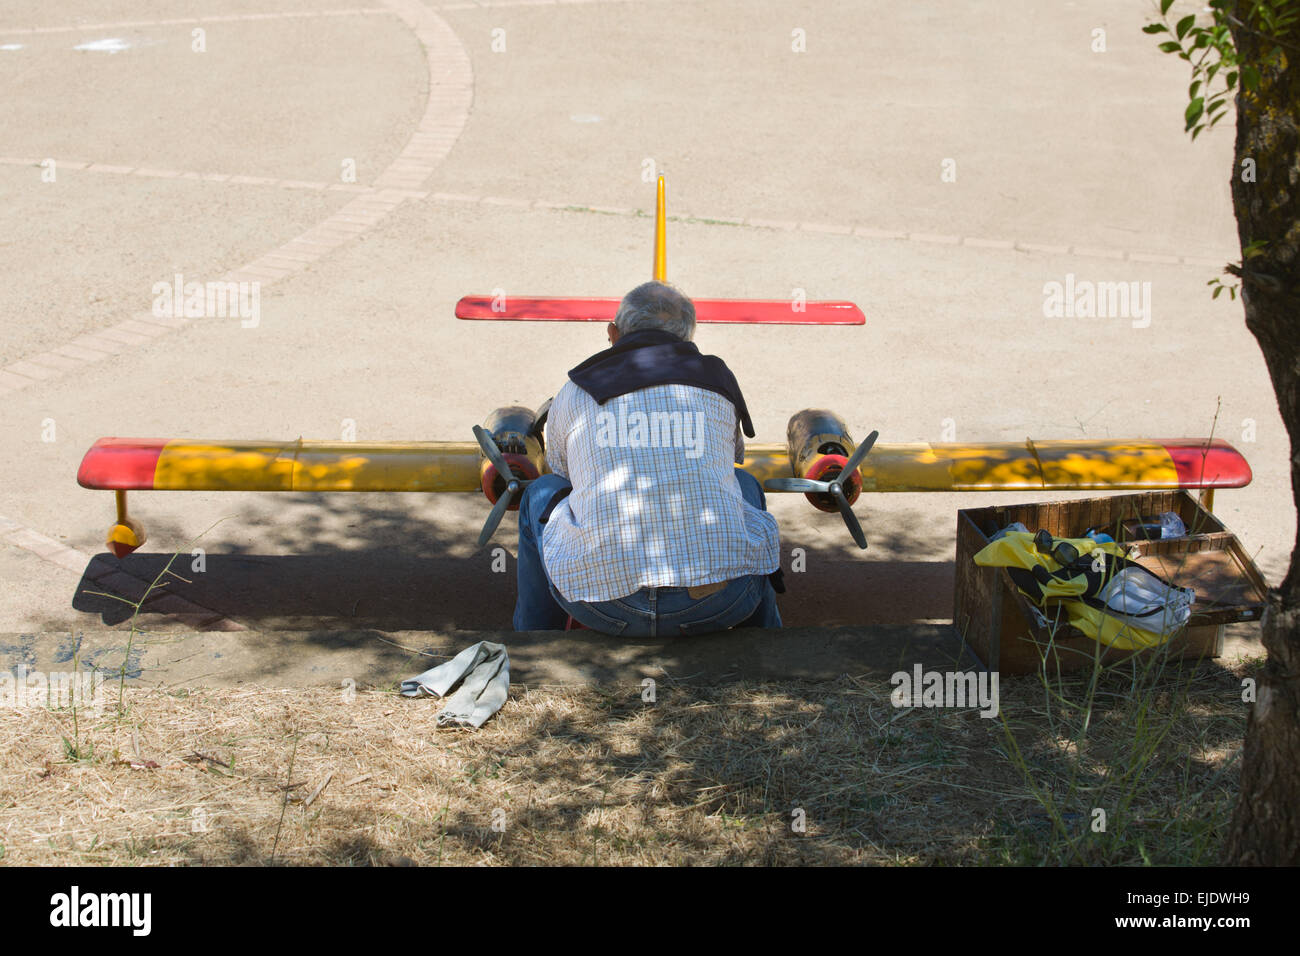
(598,776)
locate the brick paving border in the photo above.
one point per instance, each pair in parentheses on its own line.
(111,578)
(451,90)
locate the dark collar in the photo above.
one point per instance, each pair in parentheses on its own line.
(651,357)
(639,340)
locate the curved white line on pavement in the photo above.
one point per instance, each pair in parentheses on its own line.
(451,91)
(829,228)
(451,81)
(837,229)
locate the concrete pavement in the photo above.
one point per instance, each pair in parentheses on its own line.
(503,145)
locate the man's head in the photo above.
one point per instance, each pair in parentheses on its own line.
(654,305)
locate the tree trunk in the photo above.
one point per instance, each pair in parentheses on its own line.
(1266,825)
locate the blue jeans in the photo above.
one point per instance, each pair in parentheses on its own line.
(747,601)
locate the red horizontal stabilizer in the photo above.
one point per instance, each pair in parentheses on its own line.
(723,311)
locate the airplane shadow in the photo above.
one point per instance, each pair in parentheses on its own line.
(418,569)
(392,590)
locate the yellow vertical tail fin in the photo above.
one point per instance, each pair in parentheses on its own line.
(661,237)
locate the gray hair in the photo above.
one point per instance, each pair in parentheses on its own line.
(654,305)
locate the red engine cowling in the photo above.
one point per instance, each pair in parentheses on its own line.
(510,427)
(820,447)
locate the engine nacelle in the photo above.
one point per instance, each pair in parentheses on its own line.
(511,427)
(820,447)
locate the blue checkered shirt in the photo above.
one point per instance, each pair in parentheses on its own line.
(655,500)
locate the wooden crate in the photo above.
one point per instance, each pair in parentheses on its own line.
(996,620)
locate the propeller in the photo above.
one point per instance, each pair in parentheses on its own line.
(833,488)
(514,484)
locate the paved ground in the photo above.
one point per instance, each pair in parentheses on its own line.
(521,168)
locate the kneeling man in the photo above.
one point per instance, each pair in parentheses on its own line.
(644,527)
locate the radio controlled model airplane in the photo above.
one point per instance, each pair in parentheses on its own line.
(818,459)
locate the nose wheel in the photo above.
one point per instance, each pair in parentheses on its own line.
(834,488)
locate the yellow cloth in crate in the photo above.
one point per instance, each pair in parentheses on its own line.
(1016,549)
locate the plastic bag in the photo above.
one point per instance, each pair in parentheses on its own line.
(1171,526)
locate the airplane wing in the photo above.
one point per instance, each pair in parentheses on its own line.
(155,464)
(124,464)
(1071,465)
(721,311)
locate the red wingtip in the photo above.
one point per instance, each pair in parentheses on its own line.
(121,464)
(1213,465)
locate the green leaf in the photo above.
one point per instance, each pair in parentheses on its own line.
(1194,110)
(1165,5)
(1217,290)
(1191,90)
(1184,25)
(1170,46)
(1155,28)
(1231,79)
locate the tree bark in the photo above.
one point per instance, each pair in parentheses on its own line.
(1265,827)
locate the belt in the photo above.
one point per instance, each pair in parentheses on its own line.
(704,590)
(700,591)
